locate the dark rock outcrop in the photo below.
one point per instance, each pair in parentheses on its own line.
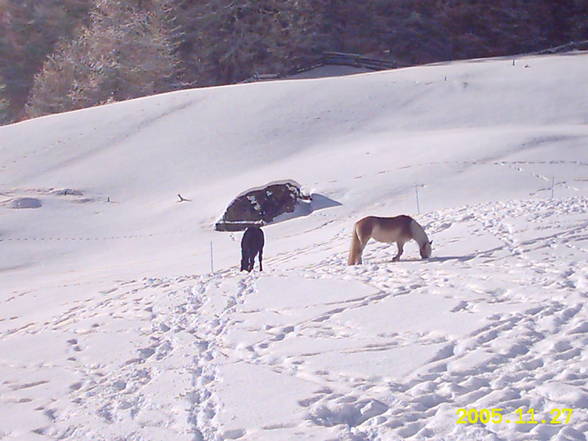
(25,203)
(261,206)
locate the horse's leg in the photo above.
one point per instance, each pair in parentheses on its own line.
(362,243)
(260,258)
(244,259)
(400,251)
(360,254)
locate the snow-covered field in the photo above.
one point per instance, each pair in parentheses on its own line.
(113,327)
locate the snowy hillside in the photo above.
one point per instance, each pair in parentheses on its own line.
(113,327)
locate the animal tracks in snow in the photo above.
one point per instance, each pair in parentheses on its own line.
(427,338)
(382,351)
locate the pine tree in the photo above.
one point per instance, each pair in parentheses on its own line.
(4,115)
(29,31)
(124,53)
(223,41)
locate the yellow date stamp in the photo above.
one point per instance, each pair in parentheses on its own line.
(497,416)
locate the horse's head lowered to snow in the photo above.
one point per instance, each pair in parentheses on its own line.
(426,249)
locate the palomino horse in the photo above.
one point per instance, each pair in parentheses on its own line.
(251,244)
(399,229)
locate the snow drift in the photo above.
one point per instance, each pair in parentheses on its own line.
(118,323)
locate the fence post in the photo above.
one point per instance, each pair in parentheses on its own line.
(211,258)
(416,189)
(552,185)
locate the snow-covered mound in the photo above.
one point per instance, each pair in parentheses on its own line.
(24,203)
(114,327)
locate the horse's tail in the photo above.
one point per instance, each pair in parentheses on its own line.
(356,248)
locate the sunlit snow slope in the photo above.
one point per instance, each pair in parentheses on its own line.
(114,327)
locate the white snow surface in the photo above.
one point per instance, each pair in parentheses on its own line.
(113,326)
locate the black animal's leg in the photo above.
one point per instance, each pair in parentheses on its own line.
(260,258)
(400,251)
(251,263)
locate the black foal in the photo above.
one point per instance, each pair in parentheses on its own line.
(251,244)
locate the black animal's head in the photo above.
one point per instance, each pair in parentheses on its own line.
(246,264)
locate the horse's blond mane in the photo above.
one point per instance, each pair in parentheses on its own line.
(419,235)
